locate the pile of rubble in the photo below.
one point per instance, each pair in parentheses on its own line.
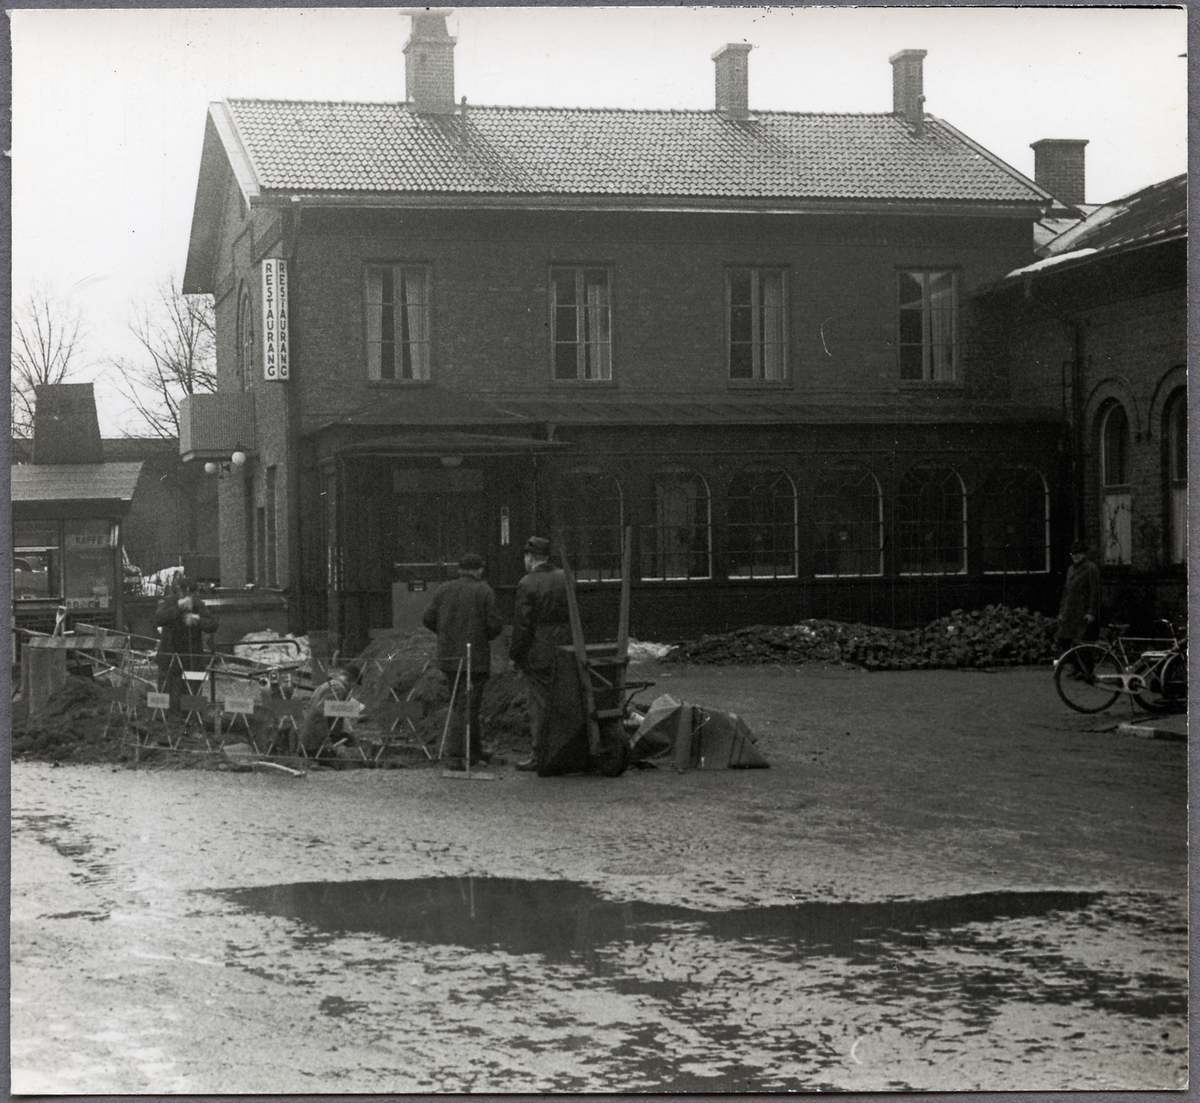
(71,728)
(993,636)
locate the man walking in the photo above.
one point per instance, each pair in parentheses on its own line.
(541,623)
(463,611)
(1078,616)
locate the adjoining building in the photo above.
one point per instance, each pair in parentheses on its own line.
(1097,328)
(68,506)
(751,335)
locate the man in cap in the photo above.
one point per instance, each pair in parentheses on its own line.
(1078,616)
(463,611)
(541,623)
(183,620)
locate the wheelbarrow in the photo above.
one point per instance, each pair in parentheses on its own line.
(590,695)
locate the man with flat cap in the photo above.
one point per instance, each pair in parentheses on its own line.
(541,623)
(463,611)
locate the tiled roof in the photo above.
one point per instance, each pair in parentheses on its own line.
(1156,213)
(74,482)
(365,148)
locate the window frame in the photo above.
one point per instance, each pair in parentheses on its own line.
(923,273)
(650,541)
(54,554)
(564,534)
(756,272)
(899,546)
(245,337)
(1175,438)
(580,342)
(1116,498)
(774,472)
(993,477)
(422,374)
(842,471)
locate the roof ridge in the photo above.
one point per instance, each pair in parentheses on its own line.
(707,111)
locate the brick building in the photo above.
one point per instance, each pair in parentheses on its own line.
(748,334)
(1098,329)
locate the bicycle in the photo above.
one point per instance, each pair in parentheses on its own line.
(1091,676)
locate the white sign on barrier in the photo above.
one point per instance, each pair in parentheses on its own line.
(158,700)
(240,704)
(343,710)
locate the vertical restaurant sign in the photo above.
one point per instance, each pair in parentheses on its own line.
(276,338)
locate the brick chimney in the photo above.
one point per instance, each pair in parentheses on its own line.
(733,79)
(429,62)
(65,427)
(1058,167)
(908,87)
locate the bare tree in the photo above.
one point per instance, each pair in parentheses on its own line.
(177,335)
(46,343)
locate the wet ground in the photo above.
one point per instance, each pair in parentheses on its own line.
(945,881)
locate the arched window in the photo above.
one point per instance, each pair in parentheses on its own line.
(679,542)
(245,339)
(1176,440)
(1016,522)
(847,522)
(762,524)
(588,511)
(931,521)
(1116,505)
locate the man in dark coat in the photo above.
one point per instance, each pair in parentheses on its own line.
(1079,614)
(183,620)
(541,624)
(463,611)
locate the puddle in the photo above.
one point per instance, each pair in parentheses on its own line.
(562,919)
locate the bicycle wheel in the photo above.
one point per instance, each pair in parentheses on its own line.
(1174,679)
(1087,678)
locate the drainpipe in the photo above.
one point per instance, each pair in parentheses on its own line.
(1072,410)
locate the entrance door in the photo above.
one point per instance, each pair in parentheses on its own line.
(439,517)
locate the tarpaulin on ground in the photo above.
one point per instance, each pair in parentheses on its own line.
(691,737)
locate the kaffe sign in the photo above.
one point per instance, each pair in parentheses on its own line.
(275,319)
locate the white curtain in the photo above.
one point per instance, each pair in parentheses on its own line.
(941,325)
(597,346)
(411,298)
(771,324)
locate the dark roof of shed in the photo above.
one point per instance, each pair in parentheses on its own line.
(420,410)
(358,148)
(76,482)
(1156,213)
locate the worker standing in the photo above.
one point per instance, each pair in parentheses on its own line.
(183,620)
(464,611)
(541,623)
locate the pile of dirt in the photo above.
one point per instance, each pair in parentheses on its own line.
(70,728)
(994,636)
(504,711)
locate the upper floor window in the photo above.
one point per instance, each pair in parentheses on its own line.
(245,339)
(1016,522)
(1117,502)
(679,543)
(397,322)
(755,299)
(581,324)
(588,515)
(931,521)
(1176,437)
(762,524)
(928,325)
(848,523)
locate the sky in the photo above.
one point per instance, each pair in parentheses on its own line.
(109,105)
